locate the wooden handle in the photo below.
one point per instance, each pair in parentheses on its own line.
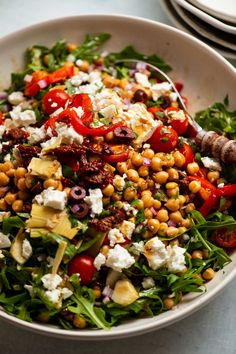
(217,145)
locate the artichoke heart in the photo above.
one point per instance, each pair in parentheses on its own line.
(45,168)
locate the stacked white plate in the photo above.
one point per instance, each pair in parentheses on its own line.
(212,21)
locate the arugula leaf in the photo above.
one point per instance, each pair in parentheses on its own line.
(130,53)
(85,305)
(140,217)
(218,118)
(88,50)
(10,223)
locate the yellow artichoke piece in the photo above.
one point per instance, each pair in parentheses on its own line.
(124,293)
(58,257)
(45,168)
(16,247)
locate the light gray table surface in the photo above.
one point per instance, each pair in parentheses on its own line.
(212,330)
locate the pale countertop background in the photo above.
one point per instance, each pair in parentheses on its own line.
(212,330)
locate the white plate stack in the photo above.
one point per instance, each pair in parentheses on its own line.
(212,21)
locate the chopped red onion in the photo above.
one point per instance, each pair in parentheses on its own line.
(146,161)
(6,108)
(28,78)
(3,95)
(126,101)
(153,210)
(171,223)
(42,84)
(107,291)
(106,300)
(141,66)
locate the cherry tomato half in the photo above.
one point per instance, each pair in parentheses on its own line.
(83,265)
(187,151)
(224,238)
(177,119)
(53,100)
(157,112)
(120,154)
(164,139)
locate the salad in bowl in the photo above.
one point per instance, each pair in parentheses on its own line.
(108,208)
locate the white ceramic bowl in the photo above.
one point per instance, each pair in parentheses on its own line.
(207,77)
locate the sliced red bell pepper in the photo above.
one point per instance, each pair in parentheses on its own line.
(83,100)
(210,204)
(1,118)
(227,191)
(187,151)
(41,79)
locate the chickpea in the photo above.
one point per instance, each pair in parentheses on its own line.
(156,204)
(84,65)
(151,183)
(161,177)
(121,167)
(147,201)
(213,176)
(189,207)
(168,303)
(179,159)
(117,197)
(23,195)
(67,191)
(142,184)
(194,186)
(108,190)
(148,213)
(182,230)
(43,317)
(3,204)
(10,198)
(153,225)
(173,174)
(156,163)
(192,168)
(143,171)
(172,204)
(6,166)
(97,291)
(162,229)
(186,223)
(132,175)
(130,194)
(197,254)
(147,234)
(162,215)
(172,231)
(208,274)
(79,322)
(139,204)
(50,182)
(205,253)
(104,250)
(176,217)
(20,172)
(106,201)
(146,192)
(182,199)
(109,136)
(174,192)
(29,180)
(4,179)
(171,185)
(10,172)
(148,153)
(137,159)
(21,184)
(17,205)
(71,47)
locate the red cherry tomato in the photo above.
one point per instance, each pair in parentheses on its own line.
(224,238)
(179,86)
(177,119)
(53,100)
(120,154)
(187,151)
(83,265)
(164,139)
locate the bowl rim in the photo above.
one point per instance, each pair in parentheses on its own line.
(174,316)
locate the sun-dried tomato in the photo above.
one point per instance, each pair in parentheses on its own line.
(102,225)
(16,134)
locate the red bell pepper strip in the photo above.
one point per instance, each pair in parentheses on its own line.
(83,100)
(1,118)
(227,191)
(114,158)
(187,151)
(204,183)
(41,79)
(209,204)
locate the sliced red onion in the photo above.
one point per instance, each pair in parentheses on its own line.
(153,210)
(28,78)
(42,84)
(6,108)
(106,300)
(146,161)
(171,223)
(3,95)
(5,189)
(107,291)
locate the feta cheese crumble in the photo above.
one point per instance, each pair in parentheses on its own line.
(119,258)
(99,261)
(21,118)
(26,249)
(127,228)
(4,241)
(175,258)
(156,253)
(94,200)
(119,183)
(51,281)
(52,198)
(148,283)
(115,236)
(211,163)
(16,98)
